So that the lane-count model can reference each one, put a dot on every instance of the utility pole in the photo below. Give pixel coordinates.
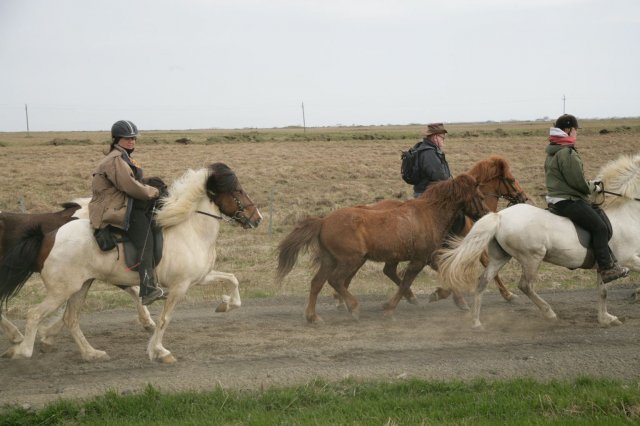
(304, 123)
(26, 111)
(564, 98)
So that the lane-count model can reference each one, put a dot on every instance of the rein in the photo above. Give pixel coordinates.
(210, 215)
(619, 195)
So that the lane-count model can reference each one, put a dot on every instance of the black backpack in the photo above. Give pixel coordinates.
(409, 167)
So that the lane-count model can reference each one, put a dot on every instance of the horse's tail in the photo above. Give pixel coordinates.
(19, 263)
(305, 234)
(458, 261)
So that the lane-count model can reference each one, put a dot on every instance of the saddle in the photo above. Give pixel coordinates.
(584, 237)
(108, 239)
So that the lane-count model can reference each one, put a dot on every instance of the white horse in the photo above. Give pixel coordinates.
(69, 260)
(532, 235)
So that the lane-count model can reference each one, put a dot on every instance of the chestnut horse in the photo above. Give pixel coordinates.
(345, 239)
(496, 182)
(69, 259)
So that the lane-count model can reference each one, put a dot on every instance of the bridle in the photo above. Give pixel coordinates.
(238, 215)
(510, 185)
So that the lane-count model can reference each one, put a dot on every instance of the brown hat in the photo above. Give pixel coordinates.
(435, 129)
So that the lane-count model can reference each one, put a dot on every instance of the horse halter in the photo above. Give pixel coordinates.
(239, 215)
(509, 183)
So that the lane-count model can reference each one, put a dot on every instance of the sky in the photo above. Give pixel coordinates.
(199, 64)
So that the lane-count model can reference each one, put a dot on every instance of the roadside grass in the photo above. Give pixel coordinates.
(400, 402)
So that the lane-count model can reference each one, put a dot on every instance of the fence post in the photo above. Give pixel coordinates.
(270, 210)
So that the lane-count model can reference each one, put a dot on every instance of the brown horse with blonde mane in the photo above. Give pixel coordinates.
(345, 239)
(496, 182)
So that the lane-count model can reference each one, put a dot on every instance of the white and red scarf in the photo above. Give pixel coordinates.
(559, 137)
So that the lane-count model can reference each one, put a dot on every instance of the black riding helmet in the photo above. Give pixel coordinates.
(566, 121)
(124, 129)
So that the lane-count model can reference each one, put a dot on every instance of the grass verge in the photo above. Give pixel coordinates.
(520, 401)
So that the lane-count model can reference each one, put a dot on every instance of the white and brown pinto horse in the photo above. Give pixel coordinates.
(69, 259)
(532, 235)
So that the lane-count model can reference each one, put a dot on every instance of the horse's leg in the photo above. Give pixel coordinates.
(391, 270)
(10, 330)
(339, 301)
(49, 331)
(339, 276)
(231, 284)
(155, 350)
(529, 273)
(317, 282)
(494, 264)
(143, 313)
(442, 293)
(35, 315)
(413, 269)
(604, 317)
(506, 294)
(71, 320)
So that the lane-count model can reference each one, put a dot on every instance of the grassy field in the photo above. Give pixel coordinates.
(291, 173)
(582, 401)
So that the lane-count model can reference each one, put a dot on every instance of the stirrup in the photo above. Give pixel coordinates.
(156, 293)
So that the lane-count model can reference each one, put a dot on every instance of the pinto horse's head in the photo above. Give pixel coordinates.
(224, 190)
(467, 190)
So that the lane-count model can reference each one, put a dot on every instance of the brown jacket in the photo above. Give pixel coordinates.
(114, 188)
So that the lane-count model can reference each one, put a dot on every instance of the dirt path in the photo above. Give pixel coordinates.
(267, 342)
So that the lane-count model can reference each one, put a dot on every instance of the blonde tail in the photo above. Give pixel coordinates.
(458, 264)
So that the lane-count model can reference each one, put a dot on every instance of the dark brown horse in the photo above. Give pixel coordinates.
(347, 238)
(496, 182)
(14, 226)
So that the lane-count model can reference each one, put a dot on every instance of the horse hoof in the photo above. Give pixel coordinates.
(462, 305)
(167, 359)
(96, 356)
(150, 327)
(413, 300)
(355, 315)
(47, 348)
(511, 297)
(223, 307)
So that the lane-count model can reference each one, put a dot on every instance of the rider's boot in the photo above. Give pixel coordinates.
(149, 289)
(613, 273)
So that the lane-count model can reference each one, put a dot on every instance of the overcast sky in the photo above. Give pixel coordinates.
(193, 64)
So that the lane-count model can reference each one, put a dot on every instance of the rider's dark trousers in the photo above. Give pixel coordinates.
(140, 234)
(585, 215)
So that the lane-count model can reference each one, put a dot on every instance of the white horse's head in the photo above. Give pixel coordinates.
(621, 176)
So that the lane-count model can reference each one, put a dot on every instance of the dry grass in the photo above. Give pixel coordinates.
(291, 174)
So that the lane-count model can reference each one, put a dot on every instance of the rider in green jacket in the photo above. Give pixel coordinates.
(568, 194)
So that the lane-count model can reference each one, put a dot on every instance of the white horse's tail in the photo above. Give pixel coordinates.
(458, 265)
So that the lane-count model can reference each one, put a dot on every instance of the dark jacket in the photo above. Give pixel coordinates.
(116, 183)
(433, 166)
(564, 174)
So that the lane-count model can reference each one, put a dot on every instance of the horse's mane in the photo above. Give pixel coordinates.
(184, 196)
(621, 176)
(487, 169)
(447, 193)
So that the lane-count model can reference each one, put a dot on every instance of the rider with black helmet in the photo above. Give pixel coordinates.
(568, 194)
(120, 199)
